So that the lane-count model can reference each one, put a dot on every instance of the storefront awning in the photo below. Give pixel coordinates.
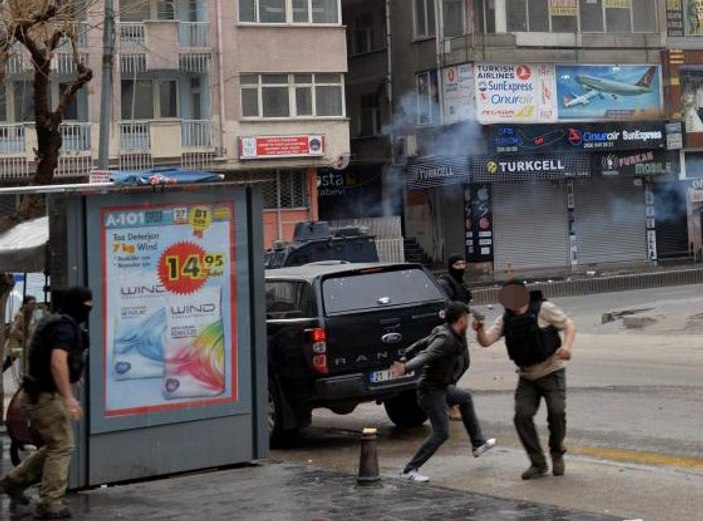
(23, 247)
(431, 171)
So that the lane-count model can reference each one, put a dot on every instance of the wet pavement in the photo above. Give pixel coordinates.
(276, 491)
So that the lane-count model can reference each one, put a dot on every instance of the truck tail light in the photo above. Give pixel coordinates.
(317, 337)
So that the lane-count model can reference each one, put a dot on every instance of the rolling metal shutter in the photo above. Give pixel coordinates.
(672, 220)
(610, 221)
(530, 225)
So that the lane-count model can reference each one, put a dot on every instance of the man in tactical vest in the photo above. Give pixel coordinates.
(436, 357)
(456, 289)
(531, 327)
(56, 357)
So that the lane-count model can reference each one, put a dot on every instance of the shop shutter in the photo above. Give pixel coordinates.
(610, 221)
(530, 225)
(672, 220)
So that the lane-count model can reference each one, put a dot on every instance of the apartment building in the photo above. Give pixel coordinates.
(532, 134)
(250, 88)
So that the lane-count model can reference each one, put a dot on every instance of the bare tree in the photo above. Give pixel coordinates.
(39, 28)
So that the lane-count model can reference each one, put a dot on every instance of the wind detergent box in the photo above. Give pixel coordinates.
(141, 321)
(195, 348)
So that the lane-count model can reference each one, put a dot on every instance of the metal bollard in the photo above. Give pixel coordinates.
(368, 460)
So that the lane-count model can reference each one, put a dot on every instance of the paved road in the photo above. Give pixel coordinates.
(635, 417)
(277, 492)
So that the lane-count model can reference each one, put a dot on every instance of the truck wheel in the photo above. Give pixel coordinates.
(279, 438)
(404, 411)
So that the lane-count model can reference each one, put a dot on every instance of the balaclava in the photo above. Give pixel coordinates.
(457, 275)
(73, 303)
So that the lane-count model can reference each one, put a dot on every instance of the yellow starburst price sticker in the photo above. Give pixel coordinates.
(200, 218)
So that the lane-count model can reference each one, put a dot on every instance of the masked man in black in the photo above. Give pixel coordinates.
(56, 358)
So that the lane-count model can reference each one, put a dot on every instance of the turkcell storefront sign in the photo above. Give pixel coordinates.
(637, 164)
(428, 172)
(523, 168)
(505, 139)
(602, 92)
(515, 93)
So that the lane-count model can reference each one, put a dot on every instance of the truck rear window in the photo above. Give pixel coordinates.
(366, 291)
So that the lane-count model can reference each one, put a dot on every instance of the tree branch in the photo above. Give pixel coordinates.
(85, 74)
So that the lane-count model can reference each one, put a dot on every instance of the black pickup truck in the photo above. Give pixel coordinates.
(333, 330)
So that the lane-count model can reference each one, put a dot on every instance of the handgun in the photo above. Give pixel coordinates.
(477, 315)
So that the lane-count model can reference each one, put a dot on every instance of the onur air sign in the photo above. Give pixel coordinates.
(522, 93)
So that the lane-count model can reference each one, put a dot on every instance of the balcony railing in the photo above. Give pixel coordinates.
(135, 136)
(193, 34)
(197, 134)
(75, 137)
(132, 36)
(12, 139)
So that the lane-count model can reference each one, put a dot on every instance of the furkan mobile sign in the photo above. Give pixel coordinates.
(609, 92)
(169, 307)
(521, 93)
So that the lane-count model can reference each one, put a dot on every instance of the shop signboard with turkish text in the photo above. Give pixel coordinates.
(478, 222)
(608, 92)
(522, 93)
(531, 139)
(169, 312)
(637, 163)
(674, 19)
(459, 99)
(693, 15)
(524, 168)
(272, 147)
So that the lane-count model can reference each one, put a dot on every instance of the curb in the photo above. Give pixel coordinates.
(613, 284)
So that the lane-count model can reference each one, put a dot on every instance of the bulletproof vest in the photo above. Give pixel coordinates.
(527, 343)
(40, 378)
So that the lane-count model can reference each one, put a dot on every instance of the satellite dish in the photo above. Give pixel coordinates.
(341, 161)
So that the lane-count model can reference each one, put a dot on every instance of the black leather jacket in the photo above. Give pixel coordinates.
(437, 356)
(455, 290)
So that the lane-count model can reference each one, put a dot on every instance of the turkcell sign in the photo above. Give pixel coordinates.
(538, 167)
(643, 135)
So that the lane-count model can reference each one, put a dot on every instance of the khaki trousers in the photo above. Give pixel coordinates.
(50, 463)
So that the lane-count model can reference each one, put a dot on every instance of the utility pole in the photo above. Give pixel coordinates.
(106, 93)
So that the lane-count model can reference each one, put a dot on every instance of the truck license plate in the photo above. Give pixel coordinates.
(378, 377)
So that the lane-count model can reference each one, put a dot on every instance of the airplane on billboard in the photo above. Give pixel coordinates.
(595, 86)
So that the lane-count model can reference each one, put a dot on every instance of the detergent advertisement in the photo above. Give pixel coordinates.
(605, 92)
(169, 312)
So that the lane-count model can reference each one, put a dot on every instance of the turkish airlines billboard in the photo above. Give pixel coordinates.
(608, 92)
(523, 93)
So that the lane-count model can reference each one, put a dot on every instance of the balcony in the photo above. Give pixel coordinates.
(12, 139)
(167, 138)
(191, 39)
(76, 138)
(197, 135)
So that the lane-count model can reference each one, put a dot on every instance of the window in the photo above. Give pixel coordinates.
(140, 10)
(564, 16)
(424, 18)
(288, 300)
(453, 18)
(149, 99)
(289, 11)
(370, 117)
(165, 10)
(371, 291)
(292, 95)
(364, 38)
(24, 100)
(427, 98)
(71, 113)
(21, 105)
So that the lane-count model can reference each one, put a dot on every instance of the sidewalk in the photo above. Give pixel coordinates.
(274, 491)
